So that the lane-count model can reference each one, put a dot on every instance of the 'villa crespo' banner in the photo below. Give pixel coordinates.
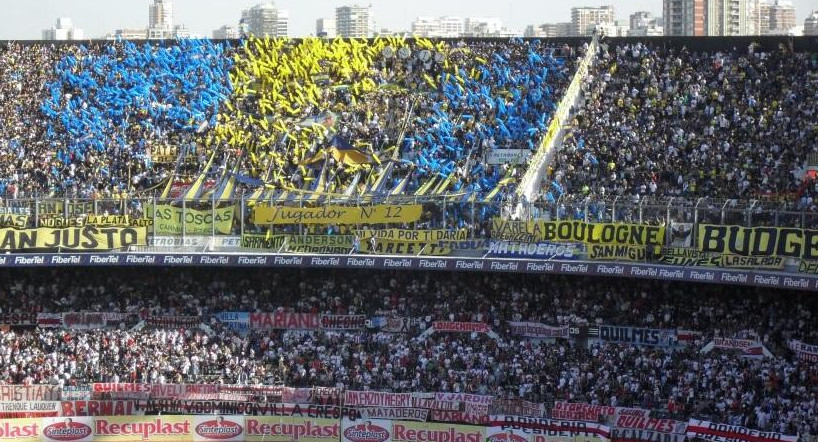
(197, 222)
(578, 231)
(76, 238)
(384, 214)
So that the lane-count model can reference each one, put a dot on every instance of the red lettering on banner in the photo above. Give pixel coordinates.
(97, 408)
(147, 430)
(464, 327)
(285, 320)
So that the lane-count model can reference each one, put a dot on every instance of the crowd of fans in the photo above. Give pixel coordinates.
(667, 121)
(777, 393)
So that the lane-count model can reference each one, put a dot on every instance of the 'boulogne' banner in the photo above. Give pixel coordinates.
(384, 214)
(578, 231)
(197, 222)
(759, 241)
(77, 238)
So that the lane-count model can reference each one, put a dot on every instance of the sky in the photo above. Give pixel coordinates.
(25, 19)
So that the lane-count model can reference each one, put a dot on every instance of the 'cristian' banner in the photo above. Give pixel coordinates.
(732, 433)
(264, 214)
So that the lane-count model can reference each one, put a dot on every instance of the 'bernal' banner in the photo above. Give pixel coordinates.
(732, 433)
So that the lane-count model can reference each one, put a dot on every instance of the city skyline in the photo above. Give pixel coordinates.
(99, 17)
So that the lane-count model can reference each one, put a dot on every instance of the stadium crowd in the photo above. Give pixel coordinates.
(664, 121)
(776, 393)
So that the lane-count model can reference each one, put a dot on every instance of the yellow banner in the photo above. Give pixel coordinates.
(64, 208)
(578, 231)
(379, 246)
(264, 214)
(413, 235)
(609, 252)
(74, 238)
(168, 220)
(291, 429)
(337, 244)
(810, 267)
(759, 241)
(16, 221)
(21, 429)
(695, 258)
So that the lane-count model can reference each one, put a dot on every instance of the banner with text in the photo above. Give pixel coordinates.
(196, 222)
(732, 433)
(264, 214)
(578, 232)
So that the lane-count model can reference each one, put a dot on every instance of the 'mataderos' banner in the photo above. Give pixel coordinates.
(545, 430)
(805, 352)
(535, 330)
(539, 250)
(732, 433)
(264, 214)
(611, 252)
(400, 414)
(634, 335)
(759, 241)
(578, 231)
(197, 222)
(78, 238)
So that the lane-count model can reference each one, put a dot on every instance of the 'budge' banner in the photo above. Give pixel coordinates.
(197, 222)
(759, 241)
(544, 430)
(75, 238)
(732, 433)
(385, 214)
(578, 231)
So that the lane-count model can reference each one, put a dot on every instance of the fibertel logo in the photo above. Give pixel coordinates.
(366, 432)
(218, 429)
(67, 430)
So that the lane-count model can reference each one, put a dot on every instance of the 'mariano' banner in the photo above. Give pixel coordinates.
(759, 241)
(74, 238)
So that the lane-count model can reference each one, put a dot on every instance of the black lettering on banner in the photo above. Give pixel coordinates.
(759, 241)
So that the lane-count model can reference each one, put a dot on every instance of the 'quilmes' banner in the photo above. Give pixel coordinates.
(547, 429)
(805, 352)
(264, 214)
(197, 222)
(634, 335)
(536, 330)
(79, 238)
(732, 433)
(578, 231)
(759, 241)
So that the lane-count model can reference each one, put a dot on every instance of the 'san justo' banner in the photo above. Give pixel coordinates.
(264, 214)
(578, 232)
(74, 239)
(196, 222)
(759, 241)
(697, 429)
(805, 352)
(535, 330)
(503, 428)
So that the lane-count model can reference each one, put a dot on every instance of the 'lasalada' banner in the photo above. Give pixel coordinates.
(732, 433)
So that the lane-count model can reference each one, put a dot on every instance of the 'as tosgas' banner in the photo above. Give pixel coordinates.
(196, 222)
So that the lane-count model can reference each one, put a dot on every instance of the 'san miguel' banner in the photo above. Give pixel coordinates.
(613, 252)
(697, 429)
(538, 250)
(578, 232)
(79, 238)
(759, 241)
(264, 214)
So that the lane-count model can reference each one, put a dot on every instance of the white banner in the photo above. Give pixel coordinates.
(805, 352)
(732, 433)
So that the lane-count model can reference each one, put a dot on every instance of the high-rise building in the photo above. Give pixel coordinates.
(482, 26)
(548, 30)
(811, 24)
(325, 27)
(730, 18)
(63, 30)
(782, 17)
(644, 24)
(128, 34)
(226, 33)
(585, 19)
(444, 27)
(265, 20)
(355, 21)
(685, 17)
(160, 15)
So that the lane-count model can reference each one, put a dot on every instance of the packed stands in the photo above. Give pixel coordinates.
(662, 120)
(163, 341)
